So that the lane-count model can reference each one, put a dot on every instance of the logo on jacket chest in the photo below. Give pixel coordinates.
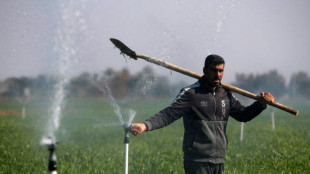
(203, 103)
(223, 104)
(224, 108)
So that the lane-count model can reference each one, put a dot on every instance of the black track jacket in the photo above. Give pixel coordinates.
(205, 114)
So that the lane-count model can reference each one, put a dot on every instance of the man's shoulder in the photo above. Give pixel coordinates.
(230, 94)
(191, 87)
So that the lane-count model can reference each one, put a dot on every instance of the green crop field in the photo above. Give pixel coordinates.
(91, 140)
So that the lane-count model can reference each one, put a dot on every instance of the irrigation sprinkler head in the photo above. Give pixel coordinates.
(124, 49)
(51, 143)
(127, 127)
(48, 141)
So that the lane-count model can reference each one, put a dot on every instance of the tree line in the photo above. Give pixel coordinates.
(146, 83)
(274, 82)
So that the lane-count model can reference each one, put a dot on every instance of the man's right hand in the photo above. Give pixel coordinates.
(137, 128)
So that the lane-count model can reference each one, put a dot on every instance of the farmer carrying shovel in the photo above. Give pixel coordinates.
(205, 107)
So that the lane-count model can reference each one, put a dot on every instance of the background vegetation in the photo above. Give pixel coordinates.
(91, 140)
(148, 84)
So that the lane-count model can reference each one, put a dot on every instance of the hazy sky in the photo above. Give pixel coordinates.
(70, 37)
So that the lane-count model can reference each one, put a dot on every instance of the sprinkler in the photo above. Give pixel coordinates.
(127, 127)
(51, 146)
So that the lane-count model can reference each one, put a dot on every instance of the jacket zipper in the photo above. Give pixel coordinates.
(216, 141)
(214, 105)
(222, 126)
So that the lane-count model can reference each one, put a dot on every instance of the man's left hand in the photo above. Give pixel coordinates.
(266, 98)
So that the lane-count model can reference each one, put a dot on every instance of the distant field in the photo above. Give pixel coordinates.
(91, 140)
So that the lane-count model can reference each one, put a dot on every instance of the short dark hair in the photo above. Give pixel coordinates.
(214, 59)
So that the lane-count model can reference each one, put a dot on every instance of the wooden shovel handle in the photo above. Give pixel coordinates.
(125, 50)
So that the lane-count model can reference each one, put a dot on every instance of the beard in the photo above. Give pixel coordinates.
(214, 82)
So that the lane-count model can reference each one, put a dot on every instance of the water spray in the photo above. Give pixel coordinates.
(127, 127)
(24, 99)
(51, 146)
(272, 120)
(241, 131)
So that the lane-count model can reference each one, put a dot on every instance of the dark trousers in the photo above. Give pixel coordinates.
(192, 167)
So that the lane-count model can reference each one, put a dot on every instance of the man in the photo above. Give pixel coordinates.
(205, 107)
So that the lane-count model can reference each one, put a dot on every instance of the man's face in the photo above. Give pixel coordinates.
(214, 74)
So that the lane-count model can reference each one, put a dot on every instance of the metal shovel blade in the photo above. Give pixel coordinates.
(124, 49)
